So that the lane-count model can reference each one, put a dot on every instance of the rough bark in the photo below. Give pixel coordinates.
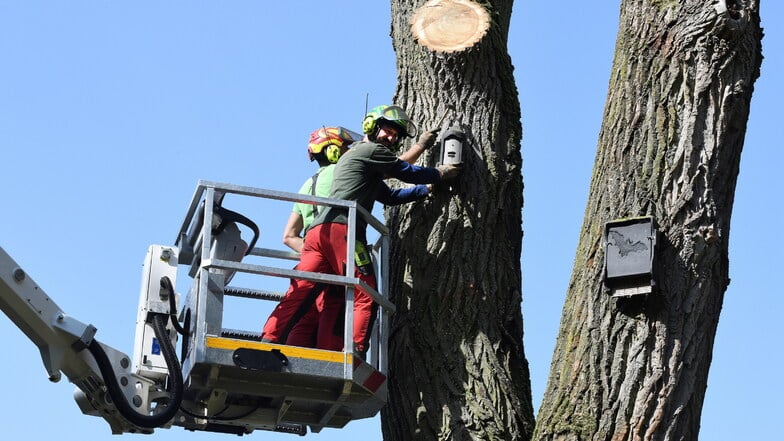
(457, 366)
(670, 146)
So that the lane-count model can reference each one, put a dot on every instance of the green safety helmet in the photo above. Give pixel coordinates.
(394, 114)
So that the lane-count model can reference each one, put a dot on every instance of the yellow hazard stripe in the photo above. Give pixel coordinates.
(288, 351)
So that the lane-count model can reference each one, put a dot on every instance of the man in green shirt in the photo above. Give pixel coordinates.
(359, 176)
(325, 146)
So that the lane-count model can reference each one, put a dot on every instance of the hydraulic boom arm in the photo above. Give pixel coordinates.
(68, 346)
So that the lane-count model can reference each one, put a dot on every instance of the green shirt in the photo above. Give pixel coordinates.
(359, 176)
(323, 183)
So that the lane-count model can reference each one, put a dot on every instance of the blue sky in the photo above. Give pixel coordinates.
(111, 112)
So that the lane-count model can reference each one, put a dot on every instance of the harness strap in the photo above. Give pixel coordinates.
(313, 180)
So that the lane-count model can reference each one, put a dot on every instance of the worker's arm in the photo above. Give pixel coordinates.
(411, 155)
(413, 174)
(423, 143)
(384, 161)
(388, 196)
(291, 234)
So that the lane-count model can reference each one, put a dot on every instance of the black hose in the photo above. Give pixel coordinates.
(167, 285)
(182, 330)
(175, 381)
(118, 397)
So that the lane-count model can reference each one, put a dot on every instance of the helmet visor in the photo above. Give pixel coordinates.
(398, 116)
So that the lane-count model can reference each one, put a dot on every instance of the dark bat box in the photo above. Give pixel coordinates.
(629, 253)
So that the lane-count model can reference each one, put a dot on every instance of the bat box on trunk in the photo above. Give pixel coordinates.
(629, 253)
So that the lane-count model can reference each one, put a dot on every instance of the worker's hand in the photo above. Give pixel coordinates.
(449, 171)
(427, 139)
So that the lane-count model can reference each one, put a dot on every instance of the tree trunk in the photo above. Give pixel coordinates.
(636, 368)
(457, 366)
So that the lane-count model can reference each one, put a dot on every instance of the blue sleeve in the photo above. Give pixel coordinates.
(388, 196)
(413, 174)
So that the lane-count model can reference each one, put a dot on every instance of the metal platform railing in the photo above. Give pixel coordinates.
(205, 353)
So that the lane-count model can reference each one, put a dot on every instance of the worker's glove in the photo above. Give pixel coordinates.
(427, 139)
(449, 171)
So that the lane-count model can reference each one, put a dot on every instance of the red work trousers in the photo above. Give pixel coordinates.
(324, 252)
(322, 325)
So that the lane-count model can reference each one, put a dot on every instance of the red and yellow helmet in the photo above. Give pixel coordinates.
(328, 141)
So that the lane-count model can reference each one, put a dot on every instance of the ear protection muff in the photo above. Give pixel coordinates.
(368, 125)
(332, 153)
